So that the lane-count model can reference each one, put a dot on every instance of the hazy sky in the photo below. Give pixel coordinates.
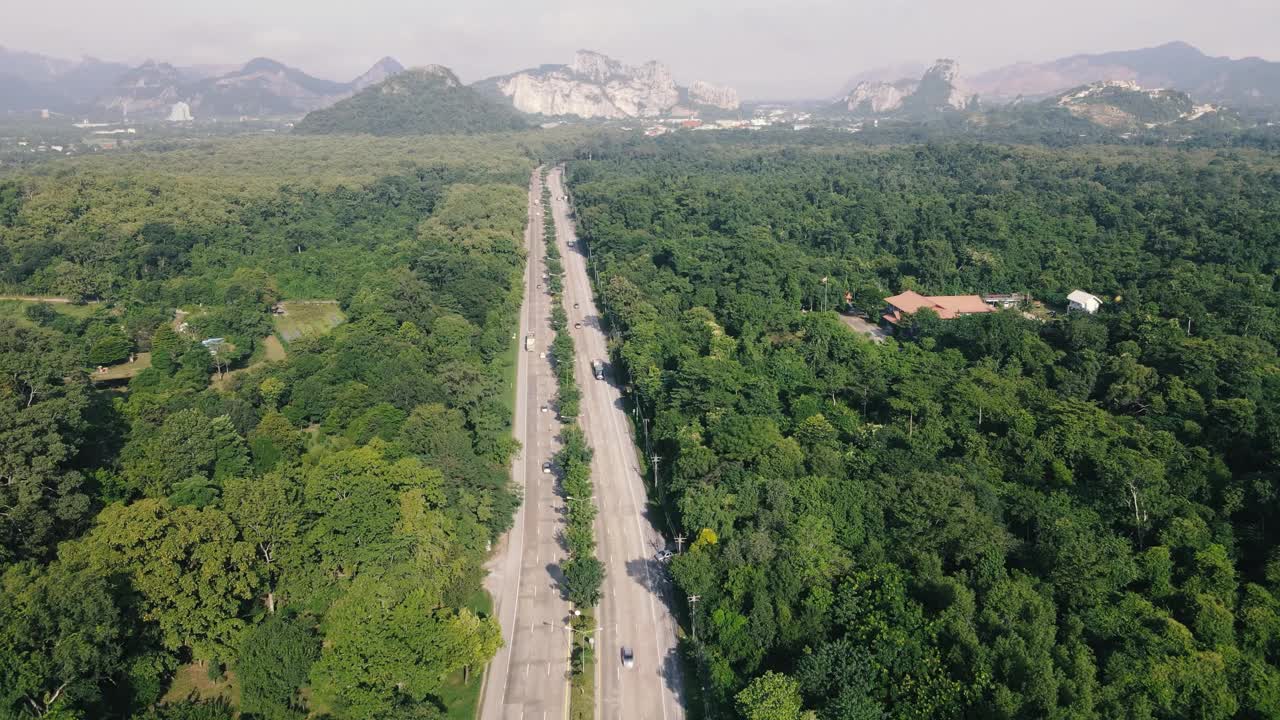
(765, 48)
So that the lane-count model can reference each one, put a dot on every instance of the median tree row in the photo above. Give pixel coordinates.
(583, 571)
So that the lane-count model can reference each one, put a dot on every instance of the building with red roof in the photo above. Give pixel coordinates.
(946, 306)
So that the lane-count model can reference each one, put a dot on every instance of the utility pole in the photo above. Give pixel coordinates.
(587, 636)
(680, 542)
(656, 481)
(693, 614)
(647, 448)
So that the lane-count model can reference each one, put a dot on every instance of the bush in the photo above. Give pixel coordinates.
(275, 658)
(109, 350)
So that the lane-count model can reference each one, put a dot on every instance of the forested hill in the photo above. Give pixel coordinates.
(1070, 516)
(421, 101)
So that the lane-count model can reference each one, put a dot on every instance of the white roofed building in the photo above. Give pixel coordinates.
(1081, 301)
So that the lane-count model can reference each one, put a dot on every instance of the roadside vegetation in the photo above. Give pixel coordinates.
(306, 536)
(992, 516)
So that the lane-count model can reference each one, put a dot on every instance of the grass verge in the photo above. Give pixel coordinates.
(582, 674)
(460, 693)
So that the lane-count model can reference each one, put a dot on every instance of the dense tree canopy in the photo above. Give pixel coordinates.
(993, 516)
(316, 524)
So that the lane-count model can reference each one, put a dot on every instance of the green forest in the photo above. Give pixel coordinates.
(256, 401)
(422, 101)
(1005, 515)
(203, 515)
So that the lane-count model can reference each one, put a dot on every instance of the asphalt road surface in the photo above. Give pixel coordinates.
(634, 610)
(528, 678)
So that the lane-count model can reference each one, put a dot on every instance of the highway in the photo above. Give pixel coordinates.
(528, 678)
(634, 610)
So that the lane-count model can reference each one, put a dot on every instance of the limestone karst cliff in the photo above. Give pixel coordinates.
(940, 88)
(878, 97)
(594, 85)
(719, 96)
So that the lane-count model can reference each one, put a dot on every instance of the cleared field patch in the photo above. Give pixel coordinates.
(141, 362)
(192, 679)
(273, 349)
(303, 318)
(14, 308)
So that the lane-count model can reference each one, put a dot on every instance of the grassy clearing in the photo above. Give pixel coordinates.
(16, 310)
(273, 349)
(461, 691)
(141, 362)
(269, 349)
(192, 679)
(307, 318)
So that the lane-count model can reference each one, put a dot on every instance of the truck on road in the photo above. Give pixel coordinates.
(528, 341)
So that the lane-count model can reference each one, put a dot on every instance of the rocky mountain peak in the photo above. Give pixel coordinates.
(878, 97)
(943, 69)
(939, 88)
(381, 70)
(705, 93)
(263, 65)
(150, 74)
(594, 85)
(434, 72)
(596, 67)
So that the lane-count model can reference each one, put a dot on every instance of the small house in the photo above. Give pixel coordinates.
(1081, 301)
(946, 306)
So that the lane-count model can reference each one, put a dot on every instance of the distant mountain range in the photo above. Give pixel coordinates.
(421, 101)
(591, 86)
(1173, 84)
(1241, 83)
(112, 91)
(594, 85)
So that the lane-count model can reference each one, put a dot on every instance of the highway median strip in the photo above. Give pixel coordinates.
(583, 572)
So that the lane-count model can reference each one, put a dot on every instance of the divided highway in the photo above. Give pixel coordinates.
(634, 610)
(528, 678)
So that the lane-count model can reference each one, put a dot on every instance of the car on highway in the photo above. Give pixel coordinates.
(663, 555)
(575, 306)
(546, 467)
(628, 657)
(577, 324)
(544, 408)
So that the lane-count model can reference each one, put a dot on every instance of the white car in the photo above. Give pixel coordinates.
(546, 467)
(663, 555)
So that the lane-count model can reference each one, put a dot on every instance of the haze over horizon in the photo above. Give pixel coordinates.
(767, 50)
